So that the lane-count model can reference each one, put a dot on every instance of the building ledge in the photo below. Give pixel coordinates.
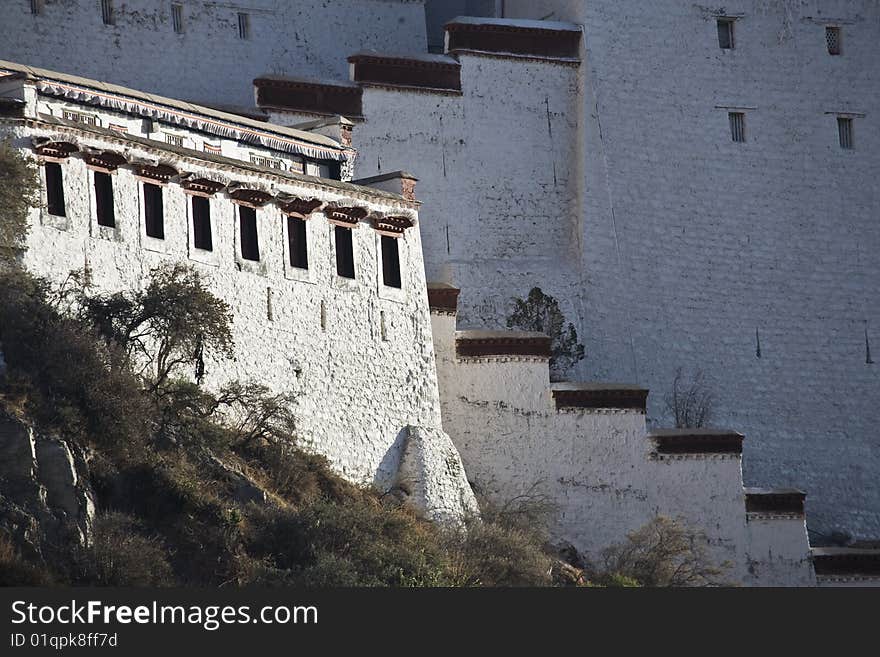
(432, 73)
(786, 502)
(476, 344)
(309, 96)
(599, 396)
(697, 441)
(850, 562)
(443, 298)
(541, 39)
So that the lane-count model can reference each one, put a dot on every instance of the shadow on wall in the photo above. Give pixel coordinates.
(440, 12)
(386, 473)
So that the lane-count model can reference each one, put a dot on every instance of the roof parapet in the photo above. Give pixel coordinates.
(478, 344)
(437, 73)
(545, 40)
(599, 396)
(308, 96)
(697, 441)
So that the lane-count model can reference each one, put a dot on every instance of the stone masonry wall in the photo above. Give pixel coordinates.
(208, 62)
(356, 353)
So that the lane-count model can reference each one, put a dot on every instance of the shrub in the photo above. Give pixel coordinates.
(541, 313)
(14, 571)
(663, 553)
(75, 385)
(170, 324)
(19, 191)
(690, 403)
(121, 555)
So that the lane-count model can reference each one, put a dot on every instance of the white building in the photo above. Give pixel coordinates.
(695, 185)
(325, 279)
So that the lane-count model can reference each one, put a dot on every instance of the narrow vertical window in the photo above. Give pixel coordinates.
(297, 243)
(737, 126)
(154, 214)
(201, 217)
(244, 26)
(104, 209)
(107, 12)
(725, 34)
(391, 261)
(845, 132)
(177, 18)
(833, 40)
(54, 189)
(247, 224)
(344, 252)
(37, 7)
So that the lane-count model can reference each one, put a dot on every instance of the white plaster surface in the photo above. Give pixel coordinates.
(208, 62)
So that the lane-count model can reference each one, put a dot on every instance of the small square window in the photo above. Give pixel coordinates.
(725, 34)
(833, 40)
(107, 12)
(104, 209)
(201, 218)
(244, 26)
(737, 126)
(177, 18)
(845, 132)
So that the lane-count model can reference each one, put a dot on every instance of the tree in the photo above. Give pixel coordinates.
(690, 403)
(663, 553)
(19, 192)
(540, 312)
(171, 323)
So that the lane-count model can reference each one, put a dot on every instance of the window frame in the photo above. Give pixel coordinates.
(390, 259)
(54, 184)
(155, 191)
(244, 26)
(730, 25)
(837, 31)
(737, 121)
(177, 21)
(247, 215)
(846, 133)
(344, 256)
(205, 203)
(101, 201)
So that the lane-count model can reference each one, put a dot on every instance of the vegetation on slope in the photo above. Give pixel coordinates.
(113, 374)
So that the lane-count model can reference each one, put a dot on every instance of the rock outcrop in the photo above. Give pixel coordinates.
(45, 495)
(431, 478)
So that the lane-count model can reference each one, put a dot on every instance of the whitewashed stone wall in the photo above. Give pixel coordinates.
(208, 62)
(357, 353)
(668, 244)
(599, 470)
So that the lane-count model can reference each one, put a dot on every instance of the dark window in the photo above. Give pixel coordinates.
(390, 261)
(845, 132)
(37, 7)
(344, 252)
(832, 40)
(244, 26)
(297, 241)
(107, 12)
(54, 189)
(250, 245)
(177, 18)
(104, 199)
(154, 216)
(738, 126)
(201, 211)
(725, 33)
